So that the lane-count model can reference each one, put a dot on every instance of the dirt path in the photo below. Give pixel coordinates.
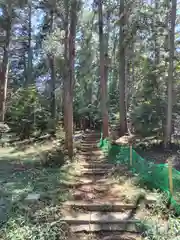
(100, 207)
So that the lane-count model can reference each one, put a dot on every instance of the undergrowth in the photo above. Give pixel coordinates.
(158, 220)
(38, 168)
(161, 223)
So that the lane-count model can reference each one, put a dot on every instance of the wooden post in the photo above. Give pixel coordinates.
(130, 148)
(170, 176)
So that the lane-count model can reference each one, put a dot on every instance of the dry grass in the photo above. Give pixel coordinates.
(126, 186)
(35, 168)
(157, 220)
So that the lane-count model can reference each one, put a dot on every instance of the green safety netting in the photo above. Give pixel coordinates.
(155, 176)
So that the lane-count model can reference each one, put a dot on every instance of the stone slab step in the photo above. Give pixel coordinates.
(106, 227)
(92, 155)
(92, 158)
(89, 137)
(91, 172)
(84, 181)
(94, 171)
(88, 149)
(88, 145)
(77, 183)
(98, 165)
(99, 218)
(92, 133)
(92, 136)
(100, 206)
(121, 236)
(96, 152)
(118, 235)
(88, 169)
(88, 141)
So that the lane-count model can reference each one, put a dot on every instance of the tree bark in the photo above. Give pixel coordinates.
(122, 76)
(170, 73)
(52, 98)
(71, 79)
(66, 71)
(53, 80)
(157, 47)
(107, 46)
(4, 67)
(30, 54)
(103, 83)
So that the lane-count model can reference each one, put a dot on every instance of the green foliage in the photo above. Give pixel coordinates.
(169, 230)
(25, 113)
(156, 229)
(147, 109)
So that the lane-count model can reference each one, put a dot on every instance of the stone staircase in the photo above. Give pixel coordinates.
(96, 212)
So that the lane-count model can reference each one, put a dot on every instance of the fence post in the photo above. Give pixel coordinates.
(130, 148)
(170, 176)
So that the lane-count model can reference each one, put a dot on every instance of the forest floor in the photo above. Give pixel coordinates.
(39, 185)
(33, 181)
(152, 149)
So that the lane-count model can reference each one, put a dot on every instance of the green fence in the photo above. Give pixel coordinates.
(153, 175)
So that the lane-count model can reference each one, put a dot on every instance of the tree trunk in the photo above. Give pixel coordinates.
(4, 67)
(66, 71)
(157, 47)
(114, 73)
(103, 83)
(53, 79)
(122, 76)
(166, 48)
(71, 79)
(30, 54)
(3, 93)
(170, 74)
(52, 100)
(107, 47)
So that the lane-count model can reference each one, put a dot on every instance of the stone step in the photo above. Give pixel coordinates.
(99, 206)
(92, 158)
(91, 172)
(83, 181)
(95, 153)
(77, 183)
(88, 149)
(93, 144)
(98, 169)
(118, 235)
(98, 165)
(94, 171)
(90, 136)
(89, 145)
(122, 237)
(124, 226)
(90, 141)
(99, 218)
(92, 133)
